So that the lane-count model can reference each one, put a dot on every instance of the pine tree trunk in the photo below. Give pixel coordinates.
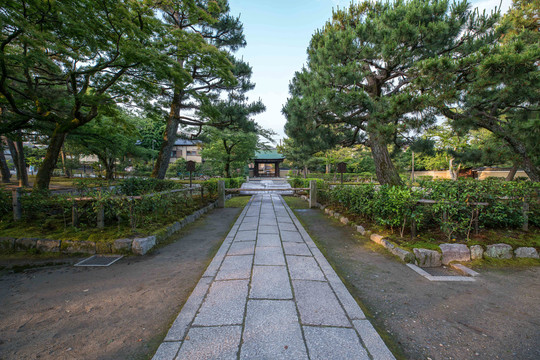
(14, 157)
(45, 172)
(169, 138)
(227, 169)
(21, 163)
(4, 169)
(109, 170)
(67, 173)
(384, 167)
(512, 172)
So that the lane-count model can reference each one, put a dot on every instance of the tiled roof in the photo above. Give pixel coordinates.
(268, 155)
(185, 142)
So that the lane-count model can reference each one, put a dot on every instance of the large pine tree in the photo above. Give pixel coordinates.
(357, 83)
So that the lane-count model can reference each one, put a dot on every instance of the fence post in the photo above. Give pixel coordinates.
(312, 193)
(202, 194)
(101, 217)
(16, 201)
(413, 228)
(132, 214)
(221, 194)
(477, 221)
(74, 215)
(525, 216)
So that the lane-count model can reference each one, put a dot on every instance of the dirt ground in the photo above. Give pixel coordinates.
(496, 317)
(117, 312)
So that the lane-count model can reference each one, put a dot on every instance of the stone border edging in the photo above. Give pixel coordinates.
(137, 246)
(449, 252)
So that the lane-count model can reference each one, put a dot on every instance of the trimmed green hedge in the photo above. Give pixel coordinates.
(455, 211)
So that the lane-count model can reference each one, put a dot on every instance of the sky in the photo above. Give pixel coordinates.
(277, 34)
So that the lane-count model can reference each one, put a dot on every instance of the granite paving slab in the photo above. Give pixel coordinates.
(269, 293)
(272, 328)
(299, 249)
(318, 305)
(270, 282)
(167, 350)
(333, 343)
(242, 248)
(219, 343)
(235, 267)
(304, 268)
(266, 229)
(224, 304)
(268, 240)
(291, 236)
(249, 235)
(269, 256)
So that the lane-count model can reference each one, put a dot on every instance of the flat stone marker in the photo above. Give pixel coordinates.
(269, 293)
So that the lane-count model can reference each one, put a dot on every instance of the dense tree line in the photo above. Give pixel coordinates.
(382, 73)
(79, 73)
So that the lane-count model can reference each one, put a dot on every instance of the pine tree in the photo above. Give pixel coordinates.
(357, 83)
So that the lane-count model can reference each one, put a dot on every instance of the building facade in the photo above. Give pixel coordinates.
(187, 150)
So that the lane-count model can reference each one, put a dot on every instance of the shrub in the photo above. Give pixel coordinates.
(459, 204)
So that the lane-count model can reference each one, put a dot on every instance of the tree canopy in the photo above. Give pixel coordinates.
(360, 84)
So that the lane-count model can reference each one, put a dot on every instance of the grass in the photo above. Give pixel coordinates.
(237, 201)
(54, 227)
(295, 202)
(495, 263)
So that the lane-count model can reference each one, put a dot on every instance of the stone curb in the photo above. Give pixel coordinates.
(449, 254)
(137, 246)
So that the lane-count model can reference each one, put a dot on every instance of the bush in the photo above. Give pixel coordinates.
(458, 204)
(230, 183)
(5, 202)
(137, 186)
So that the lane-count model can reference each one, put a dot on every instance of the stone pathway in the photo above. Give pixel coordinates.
(269, 293)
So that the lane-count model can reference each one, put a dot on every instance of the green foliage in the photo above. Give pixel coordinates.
(5, 202)
(454, 211)
(230, 183)
(137, 186)
(357, 84)
(304, 183)
(228, 150)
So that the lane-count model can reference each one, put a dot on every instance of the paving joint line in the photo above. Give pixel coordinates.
(243, 325)
(293, 291)
(340, 301)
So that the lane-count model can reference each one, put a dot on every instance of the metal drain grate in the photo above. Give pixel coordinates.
(100, 260)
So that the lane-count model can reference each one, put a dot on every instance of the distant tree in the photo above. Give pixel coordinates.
(228, 150)
(111, 138)
(495, 87)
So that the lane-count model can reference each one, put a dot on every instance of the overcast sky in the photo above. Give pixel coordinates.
(278, 33)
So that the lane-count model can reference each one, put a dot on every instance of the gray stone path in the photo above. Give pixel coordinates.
(269, 293)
